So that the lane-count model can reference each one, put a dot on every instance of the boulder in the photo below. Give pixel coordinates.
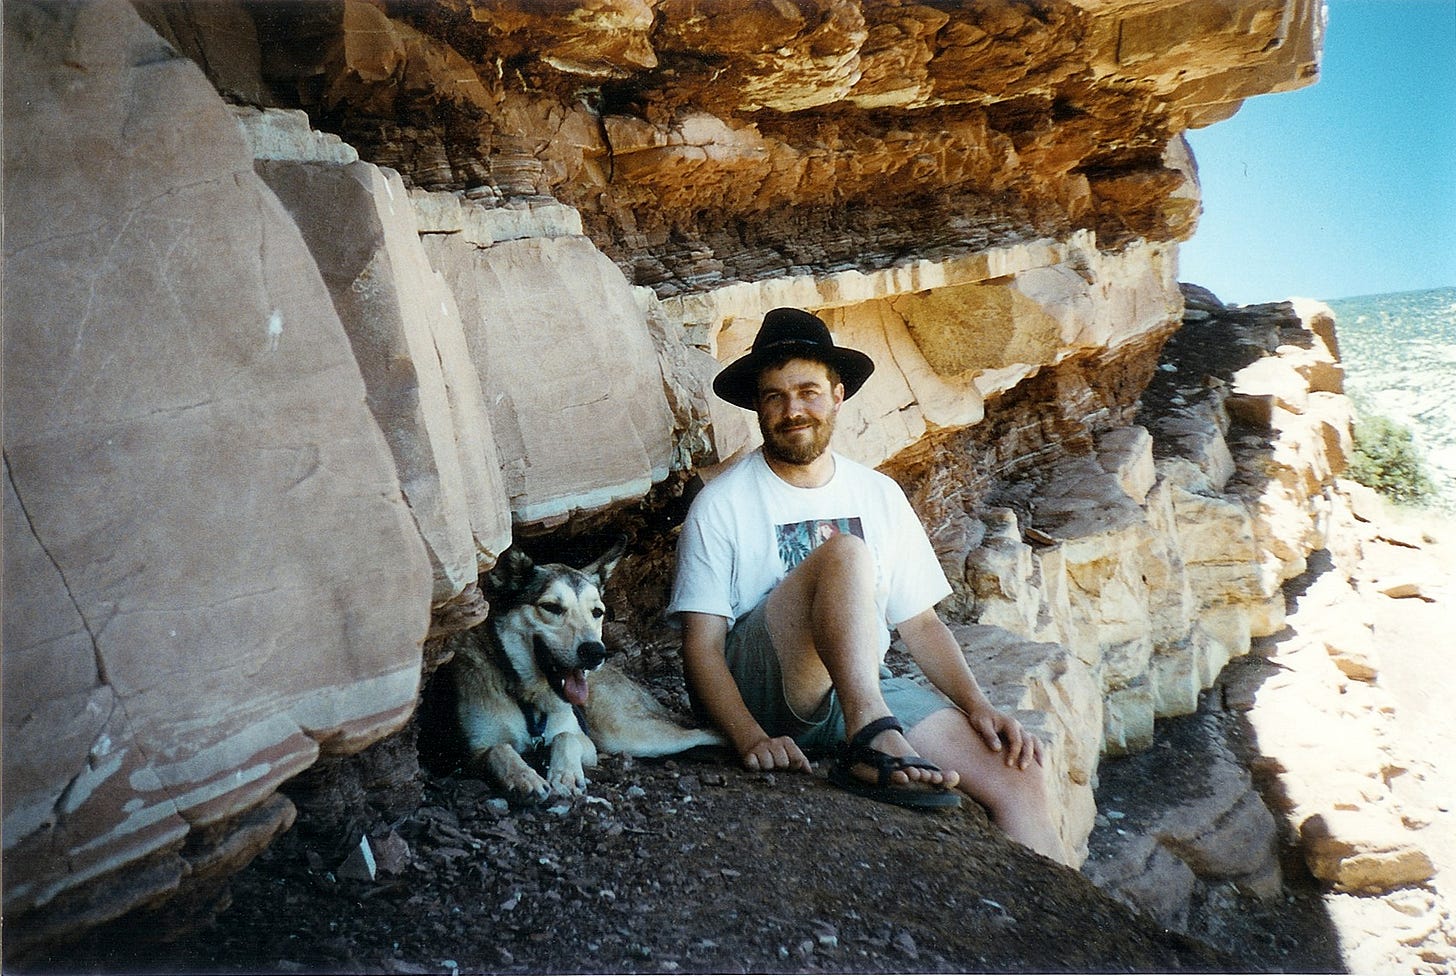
(1180, 821)
(1057, 698)
(577, 398)
(1362, 851)
(407, 338)
(210, 576)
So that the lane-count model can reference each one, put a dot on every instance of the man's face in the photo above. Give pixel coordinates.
(797, 404)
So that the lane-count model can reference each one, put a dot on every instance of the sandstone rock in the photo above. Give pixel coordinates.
(1058, 699)
(286, 134)
(1150, 878)
(210, 574)
(484, 225)
(220, 34)
(1353, 652)
(1362, 851)
(1127, 455)
(1401, 589)
(404, 334)
(576, 396)
(1228, 832)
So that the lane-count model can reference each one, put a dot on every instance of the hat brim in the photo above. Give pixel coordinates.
(738, 381)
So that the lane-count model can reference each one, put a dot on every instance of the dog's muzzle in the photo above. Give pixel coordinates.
(570, 683)
(591, 654)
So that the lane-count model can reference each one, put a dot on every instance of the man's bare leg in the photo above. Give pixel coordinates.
(1016, 798)
(821, 620)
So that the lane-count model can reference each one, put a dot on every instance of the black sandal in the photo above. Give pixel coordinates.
(857, 752)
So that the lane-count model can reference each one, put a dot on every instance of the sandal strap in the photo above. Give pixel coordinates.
(861, 739)
(858, 750)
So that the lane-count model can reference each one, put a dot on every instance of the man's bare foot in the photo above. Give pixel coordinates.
(891, 772)
(893, 743)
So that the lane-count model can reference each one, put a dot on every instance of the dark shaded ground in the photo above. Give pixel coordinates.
(667, 867)
(1291, 932)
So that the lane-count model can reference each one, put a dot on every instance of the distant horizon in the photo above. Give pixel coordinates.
(1347, 186)
(1340, 298)
(1374, 294)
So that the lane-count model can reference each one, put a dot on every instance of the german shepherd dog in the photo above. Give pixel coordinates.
(531, 676)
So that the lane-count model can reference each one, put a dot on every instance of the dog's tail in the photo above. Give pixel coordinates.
(623, 717)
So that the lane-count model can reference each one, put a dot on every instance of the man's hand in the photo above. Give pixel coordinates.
(1005, 735)
(779, 753)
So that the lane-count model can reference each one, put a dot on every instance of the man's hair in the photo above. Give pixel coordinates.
(775, 360)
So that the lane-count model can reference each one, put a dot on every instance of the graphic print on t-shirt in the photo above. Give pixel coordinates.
(799, 539)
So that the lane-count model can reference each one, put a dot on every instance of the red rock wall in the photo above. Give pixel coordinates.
(212, 573)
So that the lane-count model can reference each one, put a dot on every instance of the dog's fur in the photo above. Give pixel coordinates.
(530, 674)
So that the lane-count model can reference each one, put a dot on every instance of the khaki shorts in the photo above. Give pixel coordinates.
(755, 667)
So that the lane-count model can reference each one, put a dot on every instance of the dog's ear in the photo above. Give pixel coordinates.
(511, 573)
(606, 562)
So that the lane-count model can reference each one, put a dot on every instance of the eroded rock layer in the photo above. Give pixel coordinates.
(283, 376)
(738, 140)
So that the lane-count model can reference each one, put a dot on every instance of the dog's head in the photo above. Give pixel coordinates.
(555, 613)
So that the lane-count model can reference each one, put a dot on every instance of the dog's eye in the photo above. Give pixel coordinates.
(598, 612)
(553, 608)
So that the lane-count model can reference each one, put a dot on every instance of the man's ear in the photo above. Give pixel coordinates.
(838, 395)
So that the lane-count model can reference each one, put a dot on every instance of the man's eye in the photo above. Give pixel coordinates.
(553, 608)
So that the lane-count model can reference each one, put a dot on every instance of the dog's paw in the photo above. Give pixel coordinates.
(568, 782)
(527, 786)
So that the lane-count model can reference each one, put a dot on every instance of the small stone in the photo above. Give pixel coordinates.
(1357, 851)
(360, 864)
(1402, 590)
(391, 853)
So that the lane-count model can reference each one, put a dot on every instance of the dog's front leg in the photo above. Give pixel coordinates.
(570, 753)
(512, 772)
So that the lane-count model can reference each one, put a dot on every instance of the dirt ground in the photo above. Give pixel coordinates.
(666, 867)
(694, 865)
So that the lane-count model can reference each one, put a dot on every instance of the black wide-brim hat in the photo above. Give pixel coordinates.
(799, 334)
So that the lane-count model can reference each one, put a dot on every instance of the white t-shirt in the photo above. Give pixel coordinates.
(748, 527)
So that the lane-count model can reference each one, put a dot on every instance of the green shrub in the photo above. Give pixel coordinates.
(1387, 459)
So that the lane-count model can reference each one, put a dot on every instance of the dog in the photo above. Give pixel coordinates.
(532, 676)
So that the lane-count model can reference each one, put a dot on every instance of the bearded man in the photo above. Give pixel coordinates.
(794, 566)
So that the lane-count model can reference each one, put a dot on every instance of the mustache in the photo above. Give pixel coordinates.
(784, 426)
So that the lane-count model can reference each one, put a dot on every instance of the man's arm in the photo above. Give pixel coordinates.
(706, 670)
(939, 655)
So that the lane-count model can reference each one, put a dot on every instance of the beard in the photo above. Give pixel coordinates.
(781, 445)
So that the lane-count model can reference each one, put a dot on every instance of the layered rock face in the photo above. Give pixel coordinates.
(309, 372)
(211, 576)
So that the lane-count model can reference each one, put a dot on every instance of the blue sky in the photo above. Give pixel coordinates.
(1344, 188)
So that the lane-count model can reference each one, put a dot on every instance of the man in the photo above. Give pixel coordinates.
(793, 567)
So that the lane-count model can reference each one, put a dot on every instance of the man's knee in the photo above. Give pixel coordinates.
(844, 553)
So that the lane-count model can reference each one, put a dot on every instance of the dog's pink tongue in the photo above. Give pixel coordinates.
(573, 687)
